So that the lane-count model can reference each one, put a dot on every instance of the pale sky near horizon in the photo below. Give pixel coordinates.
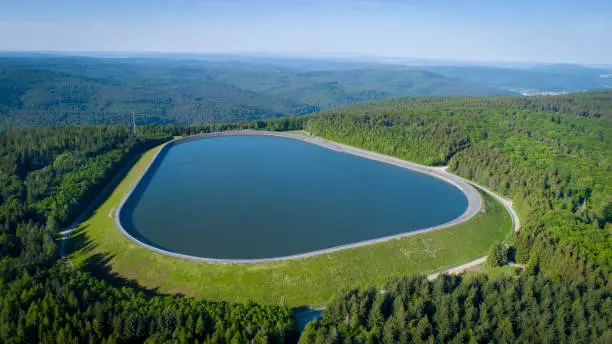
(476, 30)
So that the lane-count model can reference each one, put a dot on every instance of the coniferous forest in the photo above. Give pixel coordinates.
(551, 155)
(49, 175)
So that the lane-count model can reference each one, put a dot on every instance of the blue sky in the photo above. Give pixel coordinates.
(537, 31)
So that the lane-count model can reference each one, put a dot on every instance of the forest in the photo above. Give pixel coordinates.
(44, 91)
(47, 89)
(451, 309)
(551, 155)
(47, 177)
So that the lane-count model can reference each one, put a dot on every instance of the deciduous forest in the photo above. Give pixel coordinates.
(43, 91)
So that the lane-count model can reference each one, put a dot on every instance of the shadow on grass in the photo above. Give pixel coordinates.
(78, 242)
(99, 264)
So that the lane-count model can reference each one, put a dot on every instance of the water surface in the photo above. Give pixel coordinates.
(246, 197)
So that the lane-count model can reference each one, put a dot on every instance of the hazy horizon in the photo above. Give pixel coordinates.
(322, 56)
(474, 31)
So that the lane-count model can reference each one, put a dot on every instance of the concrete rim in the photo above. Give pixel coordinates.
(474, 198)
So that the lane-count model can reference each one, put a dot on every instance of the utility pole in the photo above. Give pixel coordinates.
(134, 122)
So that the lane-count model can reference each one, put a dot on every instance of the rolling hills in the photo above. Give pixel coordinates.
(553, 78)
(42, 91)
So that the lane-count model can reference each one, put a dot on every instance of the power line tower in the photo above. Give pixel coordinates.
(134, 122)
(142, 121)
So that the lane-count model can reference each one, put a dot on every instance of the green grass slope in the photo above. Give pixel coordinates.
(97, 246)
(552, 154)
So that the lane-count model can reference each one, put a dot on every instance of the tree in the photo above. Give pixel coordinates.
(531, 268)
(498, 255)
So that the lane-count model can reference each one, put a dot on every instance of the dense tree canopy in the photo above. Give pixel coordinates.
(42, 91)
(525, 309)
(47, 177)
(64, 307)
(553, 156)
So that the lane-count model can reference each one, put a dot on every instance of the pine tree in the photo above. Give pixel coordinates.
(531, 268)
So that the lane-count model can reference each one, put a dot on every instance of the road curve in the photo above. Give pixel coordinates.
(455, 270)
(516, 225)
(474, 199)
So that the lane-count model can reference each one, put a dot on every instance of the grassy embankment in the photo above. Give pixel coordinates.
(97, 246)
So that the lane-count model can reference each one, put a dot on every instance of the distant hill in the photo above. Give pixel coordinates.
(326, 89)
(557, 78)
(52, 90)
(34, 96)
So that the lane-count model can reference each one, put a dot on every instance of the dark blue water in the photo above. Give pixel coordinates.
(259, 197)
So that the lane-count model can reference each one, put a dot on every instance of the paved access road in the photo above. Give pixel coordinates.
(516, 224)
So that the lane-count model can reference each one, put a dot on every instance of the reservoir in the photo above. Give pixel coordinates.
(253, 197)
